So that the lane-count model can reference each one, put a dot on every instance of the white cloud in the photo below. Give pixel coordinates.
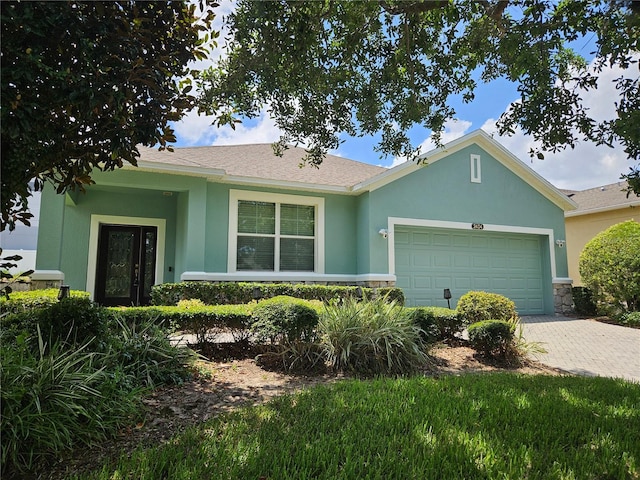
(196, 129)
(264, 131)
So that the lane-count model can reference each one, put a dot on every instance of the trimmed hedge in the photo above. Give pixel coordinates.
(199, 320)
(491, 337)
(477, 306)
(21, 301)
(238, 293)
(72, 321)
(284, 320)
(437, 323)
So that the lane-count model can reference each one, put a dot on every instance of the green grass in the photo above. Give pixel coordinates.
(498, 426)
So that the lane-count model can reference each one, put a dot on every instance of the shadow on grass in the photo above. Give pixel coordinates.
(472, 426)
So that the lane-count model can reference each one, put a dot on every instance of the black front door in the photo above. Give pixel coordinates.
(126, 264)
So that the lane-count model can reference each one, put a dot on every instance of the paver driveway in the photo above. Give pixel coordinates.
(586, 347)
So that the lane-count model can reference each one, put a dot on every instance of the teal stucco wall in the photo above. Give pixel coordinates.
(443, 191)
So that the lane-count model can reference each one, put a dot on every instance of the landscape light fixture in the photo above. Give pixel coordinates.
(447, 296)
(63, 292)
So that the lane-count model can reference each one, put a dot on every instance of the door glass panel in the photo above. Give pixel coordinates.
(119, 262)
(149, 248)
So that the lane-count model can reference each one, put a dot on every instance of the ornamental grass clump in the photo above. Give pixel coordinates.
(371, 337)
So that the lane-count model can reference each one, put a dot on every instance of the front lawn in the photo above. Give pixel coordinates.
(473, 426)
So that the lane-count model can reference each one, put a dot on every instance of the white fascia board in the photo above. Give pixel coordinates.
(284, 277)
(621, 206)
(308, 187)
(179, 169)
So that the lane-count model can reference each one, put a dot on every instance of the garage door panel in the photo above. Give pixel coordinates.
(441, 240)
(442, 260)
(462, 261)
(499, 262)
(420, 239)
(499, 283)
(421, 259)
(435, 259)
(461, 241)
(421, 282)
(402, 238)
(462, 283)
(481, 262)
(442, 282)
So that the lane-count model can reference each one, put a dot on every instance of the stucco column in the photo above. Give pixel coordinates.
(48, 272)
(195, 234)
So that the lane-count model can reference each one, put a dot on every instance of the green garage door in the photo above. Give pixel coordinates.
(428, 260)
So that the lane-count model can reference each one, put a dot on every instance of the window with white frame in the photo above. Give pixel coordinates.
(276, 233)
(476, 171)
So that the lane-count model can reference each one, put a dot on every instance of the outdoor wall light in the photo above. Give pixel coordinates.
(383, 232)
(561, 243)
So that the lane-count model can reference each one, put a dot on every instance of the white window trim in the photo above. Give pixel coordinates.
(248, 195)
(476, 169)
(417, 222)
(97, 220)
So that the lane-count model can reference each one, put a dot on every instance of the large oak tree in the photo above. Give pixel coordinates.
(326, 68)
(83, 83)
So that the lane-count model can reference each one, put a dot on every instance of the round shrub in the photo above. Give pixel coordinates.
(437, 323)
(610, 265)
(491, 337)
(478, 306)
(284, 319)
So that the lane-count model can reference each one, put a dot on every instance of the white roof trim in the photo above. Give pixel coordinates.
(313, 187)
(619, 206)
(178, 169)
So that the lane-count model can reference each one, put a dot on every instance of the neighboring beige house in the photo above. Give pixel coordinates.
(598, 209)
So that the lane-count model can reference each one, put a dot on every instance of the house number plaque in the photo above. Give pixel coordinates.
(477, 226)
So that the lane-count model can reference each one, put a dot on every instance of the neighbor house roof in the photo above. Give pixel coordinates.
(241, 163)
(601, 199)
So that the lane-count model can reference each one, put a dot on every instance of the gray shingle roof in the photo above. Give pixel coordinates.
(605, 197)
(259, 161)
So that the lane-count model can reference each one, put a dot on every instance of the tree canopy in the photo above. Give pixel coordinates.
(83, 83)
(327, 68)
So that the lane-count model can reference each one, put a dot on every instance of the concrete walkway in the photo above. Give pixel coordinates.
(586, 347)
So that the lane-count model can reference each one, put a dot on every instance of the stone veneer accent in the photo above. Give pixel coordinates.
(43, 284)
(562, 298)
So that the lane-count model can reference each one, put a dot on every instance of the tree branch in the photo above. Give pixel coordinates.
(412, 7)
